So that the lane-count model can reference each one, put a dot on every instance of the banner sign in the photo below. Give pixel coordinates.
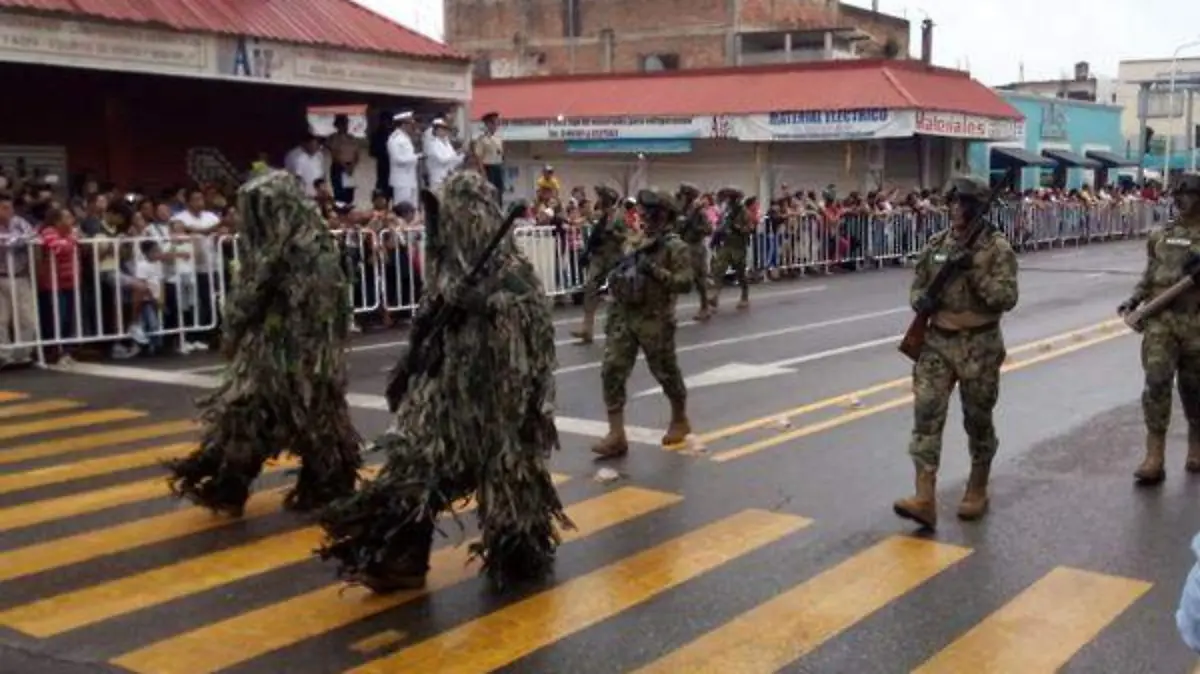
(607, 128)
(630, 146)
(825, 125)
(954, 125)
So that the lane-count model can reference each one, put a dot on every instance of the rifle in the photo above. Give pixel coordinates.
(914, 337)
(423, 342)
(1136, 319)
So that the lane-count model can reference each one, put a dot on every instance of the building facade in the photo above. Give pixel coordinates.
(521, 38)
(1083, 86)
(1080, 142)
(1165, 116)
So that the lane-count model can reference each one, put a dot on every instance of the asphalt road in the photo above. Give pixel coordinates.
(766, 544)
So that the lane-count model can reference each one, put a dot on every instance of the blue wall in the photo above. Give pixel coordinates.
(1057, 123)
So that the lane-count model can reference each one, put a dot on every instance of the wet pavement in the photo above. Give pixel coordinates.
(767, 544)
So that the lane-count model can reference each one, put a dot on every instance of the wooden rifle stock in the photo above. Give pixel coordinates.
(1136, 319)
(914, 336)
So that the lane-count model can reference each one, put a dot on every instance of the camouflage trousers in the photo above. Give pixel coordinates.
(730, 256)
(699, 258)
(629, 330)
(1171, 354)
(971, 360)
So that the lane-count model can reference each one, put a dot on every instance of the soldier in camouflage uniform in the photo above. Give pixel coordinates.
(963, 346)
(1171, 339)
(694, 228)
(600, 253)
(736, 230)
(656, 267)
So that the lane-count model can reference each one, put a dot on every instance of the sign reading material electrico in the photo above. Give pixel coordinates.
(826, 125)
(607, 128)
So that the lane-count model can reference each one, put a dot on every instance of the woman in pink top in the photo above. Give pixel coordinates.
(58, 276)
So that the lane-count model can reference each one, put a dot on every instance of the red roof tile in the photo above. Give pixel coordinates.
(836, 85)
(330, 23)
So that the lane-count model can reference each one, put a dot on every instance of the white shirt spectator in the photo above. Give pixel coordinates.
(309, 168)
(403, 159)
(440, 160)
(205, 248)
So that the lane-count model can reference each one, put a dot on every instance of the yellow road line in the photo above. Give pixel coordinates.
(10, 396)
(40, 512)
(847, 398)
(501, 637)
(843, 419)
(40, 477)
(9, 431)
(774, 634)
(225, 644)
(38, 407)
(72, 610)
(1043, 627)
(79, 443)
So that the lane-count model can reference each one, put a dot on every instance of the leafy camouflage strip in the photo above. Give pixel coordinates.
(286, 320)
(478, 417)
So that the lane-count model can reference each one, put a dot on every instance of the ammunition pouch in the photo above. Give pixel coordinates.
(627, 284)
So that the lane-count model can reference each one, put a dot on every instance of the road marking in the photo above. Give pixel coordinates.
(11, 396)
(10, 431)
(585, 427)
(756, 336)
(97, 603)
(38, 407)
(541, 620)
(241, 638)
(41, 477)
(843, 419)
(378, 642)
(848, 398)
(96, 500)
(771, 636)
(1043, 627)
(57, 446)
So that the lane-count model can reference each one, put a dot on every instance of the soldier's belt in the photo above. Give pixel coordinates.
(963, 332)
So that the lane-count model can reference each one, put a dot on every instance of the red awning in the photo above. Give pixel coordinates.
(329, 23)
(836, 85)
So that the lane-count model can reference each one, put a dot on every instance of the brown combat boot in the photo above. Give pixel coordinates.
(704, 314)
(1193, 455)
(744, 302)
(588, 327)
(679, 428)
(408, 570)
(975, 501)
(921, 507)
(615, 444)
(1151, 472)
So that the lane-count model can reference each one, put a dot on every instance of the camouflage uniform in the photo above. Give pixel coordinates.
(644, 287)
(694, 228)
(964, 346)
(601, 253)
(735, 233)
(1171, 339)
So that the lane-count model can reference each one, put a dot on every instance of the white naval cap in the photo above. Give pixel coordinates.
(405, 116)
(439, 122)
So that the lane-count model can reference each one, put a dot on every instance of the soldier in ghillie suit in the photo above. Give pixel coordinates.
(473, 400)
(655, 268)
(735, 234)
(1171, 338)
(694, 228)
(964, 347)
(599, 255)
(284, 385)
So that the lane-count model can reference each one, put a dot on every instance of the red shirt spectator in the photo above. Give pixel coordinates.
(60, 251)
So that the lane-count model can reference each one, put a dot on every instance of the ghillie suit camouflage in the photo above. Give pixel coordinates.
(473, 400)
(284, 386)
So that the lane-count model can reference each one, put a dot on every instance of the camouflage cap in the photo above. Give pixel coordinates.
(654, 198)
(968, 187)
(1189, 183)
(729, 192)
(689, 189)
(605, 192)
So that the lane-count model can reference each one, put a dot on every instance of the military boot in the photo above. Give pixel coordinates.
(615, 444)
(921, 507)
(1151, 472)
(1193, 455)
(679, 428)
(587, 328)
(744, 302)
(714, 302)
(704, 314)
(975, 501)
(408, 569)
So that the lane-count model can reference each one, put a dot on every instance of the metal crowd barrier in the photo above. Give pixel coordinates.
(165, 294)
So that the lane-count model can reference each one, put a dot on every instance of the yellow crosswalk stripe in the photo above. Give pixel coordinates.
(40, 512)
(10, 396)
(241, 638)
(1043, 627)
(772, 635)
(501, 637)
(72, 610)
(79, 443)
(9, 431)
(38, 407)
(66, 472)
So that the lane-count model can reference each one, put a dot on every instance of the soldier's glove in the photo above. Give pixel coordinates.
(1128, 306)
(925, 305)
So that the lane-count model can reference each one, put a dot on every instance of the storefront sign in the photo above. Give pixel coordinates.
(825, 125)
(954, 125)
(607, 128)
(82, 44)
(629, 146)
